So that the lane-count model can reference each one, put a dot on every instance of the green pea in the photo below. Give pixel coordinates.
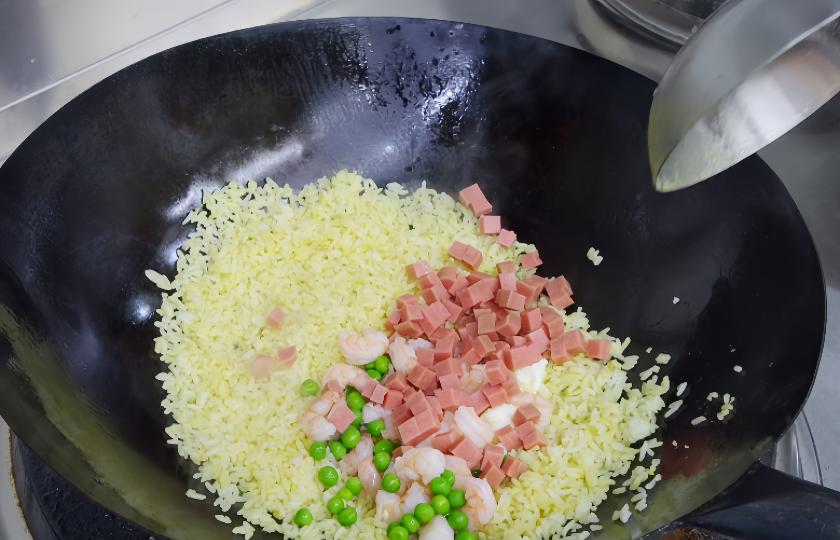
(381, 460)
(348, 516)
(398, 533)
(450, 477)
(384, 446)
(465, 535)
(457, 498)
(382, 364)
(354, 485)
(350, 390)
(375, 375)
(440, 504)
(375, 428)
(371, 365)
(476, 474)
(409, 522)
(335, 504)
(351, 437)
(318, 451)
(440, 486)
(309, 388)
(355, 402)
(328, 476)
(337, 450)
(424, 513)
(303, 517)
(391, 483)
(457, 520)
(345, 493)
(391, 527)
(357, 423)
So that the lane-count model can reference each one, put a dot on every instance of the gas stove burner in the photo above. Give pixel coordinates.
(672, 20)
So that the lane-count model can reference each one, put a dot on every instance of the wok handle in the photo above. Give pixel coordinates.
(766, 504)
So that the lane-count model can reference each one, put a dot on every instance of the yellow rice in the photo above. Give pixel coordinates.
(333, 257)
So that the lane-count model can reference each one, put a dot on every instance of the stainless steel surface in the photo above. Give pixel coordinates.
(12, 524)
(657, 18)
(806, 158)
(714, 107)
(796, 454)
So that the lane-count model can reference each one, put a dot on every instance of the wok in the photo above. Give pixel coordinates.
(557, 139)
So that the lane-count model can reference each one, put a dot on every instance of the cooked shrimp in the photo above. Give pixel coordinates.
(403, 356)
(481, 504)
(388, 507)
(314, 421)
(350, 464)
(417, 463)
(437, 529)
(360, 350)
(391, 430)
(420, 344)
(471, 425)
(457, 465)
(546, 409)
(522, 398)
(371, 411)
(473, 378)
(416, 494)
(369, 477)
(448, 422)
(345, 374)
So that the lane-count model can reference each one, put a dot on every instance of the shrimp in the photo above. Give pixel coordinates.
(481, 504)
(415, 495)
(473, 427)
(388, 507)
(473, 379)
(360, 350)
(457, 465)
(371, 411)
(391, 431)
(546, 409)
(346, 374)
(448, 422)
(417, 463)
(420, 344)
(403, 356)
(520, 399)
(349, 465)
(437, 529)
(369, 477)
(314, 422)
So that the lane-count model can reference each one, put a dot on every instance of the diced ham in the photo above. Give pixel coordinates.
(475, 277)
(513, 467)
(472, 295)
(526, 413)
(445, 441)
(562, 302)
(483, 346)
(509, 439)
(379, 393)
(396, 381)
(447, 276)
(261, 366)
(401, 414)
(525, 428)
(287, 357)
(406, 299)
(411, 312)
(429, 280)
(493, 455)
(516, 341)
(341, 417)
(530, 261)
(449, 380)
(471, 358)
(558, 287)
(495, 394)
(506, 267)
(444, 333)
(464, 449)
(475, 461)
(493, 475)
(496, 372)
(425, 357)
(510, 300)
(464, 399)
(574, 342)
(417, 270)
(472, 329)
(558, 351)
(434, 404)
(409, 432)
(456, 311)
(506, 237)
(511, 387)
(552, 322)
(531, 320)
(520, 357)
(393, 399)
(453, 365)
(598, 348)
(409, 329)
(276, 318)
(501, 347)
(393, 320)
(490, 224)
(479, 402)
(486, 323)
(459, 285)
(472, 258)
(435, 293)
(490, 286)
(469, 195)
(507, 282)
(445, 346)
(534, 439)
(417, 403)
(400, 451)
(421, 377)
(433, 316)
(510, 324)
(449, 399)
(538, 337)
(531, 287)
(368, 385)
(457, 250)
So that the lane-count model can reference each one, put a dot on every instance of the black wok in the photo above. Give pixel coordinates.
(557, 139)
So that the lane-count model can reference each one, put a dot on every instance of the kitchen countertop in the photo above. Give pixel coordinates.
(53, 50)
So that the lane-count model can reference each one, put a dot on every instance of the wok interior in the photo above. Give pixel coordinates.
(555, 137)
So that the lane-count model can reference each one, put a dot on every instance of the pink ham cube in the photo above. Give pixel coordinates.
(483, 346)
(493, 455)
(534, 439)
(429, 280)
(524, 429)
(493, 475)
(393, 320)
(421, 377)
(507, 282)
(464, 449)
(496, 372)
(449, 399)
(509, 439)
(409, 432)
(409, 329)
(435, 293)
(513, 467)
(261, 366)
(479, 402)
(451, 366)
(531, 320)
(276, 318)
(501, 347)
(511, 387)
(379, 393)
(472, 258)
(558, 351)
(405, 300)
(447, 276)
(444, 333)
(558, 287)
(457, 250)
(520, 357)
(506, 237)
(526, 413)
(538, 338)
(287, 357)
(516, 341)
(529, 261)
(486, 323)
(417, 403)
(530, 288)
(456, 311)
(396, 381)
(510, 324)
(458, 285)
(469, 195)
(510, 300)
(495, 394)
(506, 267)
(445, 441)
(411, 312)
(393, 399)
(445, 347)
(471, 358)
(434, 404)
(417, 270)
(574, 342)
(598, 348)
(341, 416)
(552, 322)
(562, 302)
(490, 224)
(425, 357)
(449, 380)
(401, 414)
